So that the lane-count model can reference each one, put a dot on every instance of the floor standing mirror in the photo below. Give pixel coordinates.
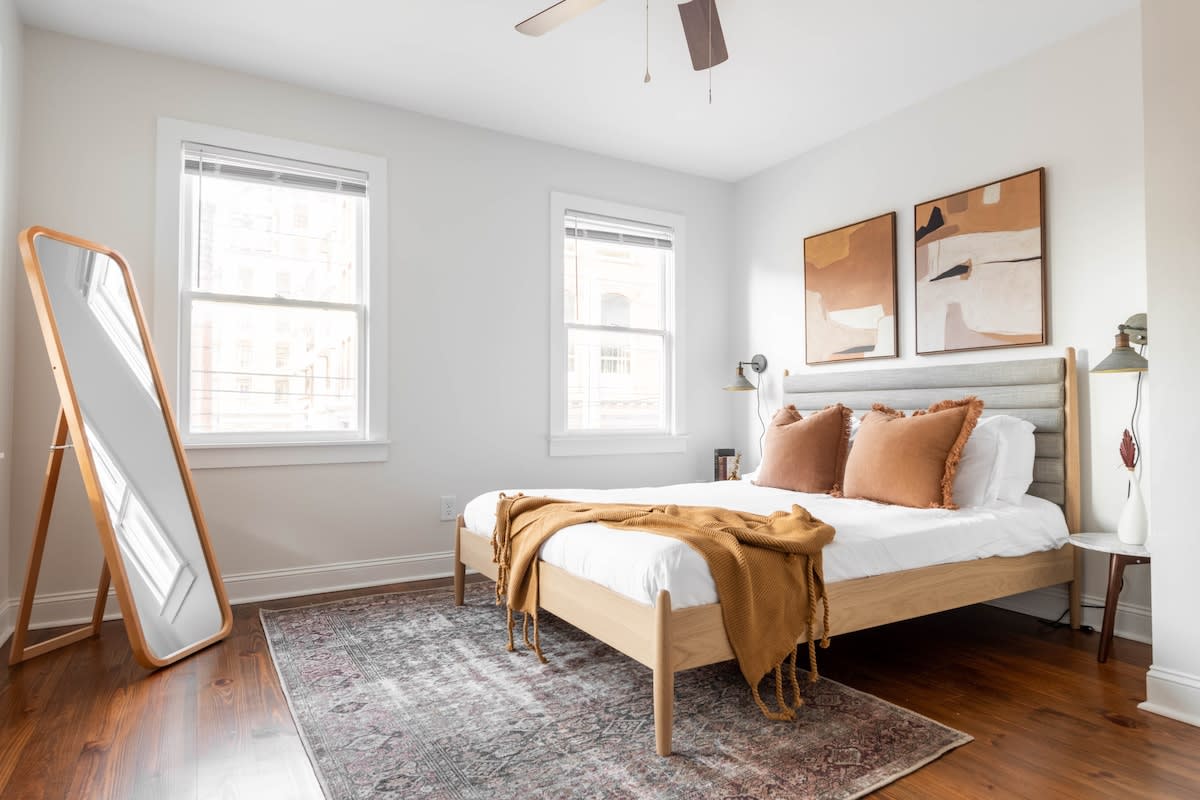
(115, 417)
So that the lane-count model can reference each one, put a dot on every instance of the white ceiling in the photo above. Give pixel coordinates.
(800, 72)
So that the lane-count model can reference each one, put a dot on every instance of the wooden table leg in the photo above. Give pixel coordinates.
(1116, 576)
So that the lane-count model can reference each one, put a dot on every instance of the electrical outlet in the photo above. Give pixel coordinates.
(449, 507)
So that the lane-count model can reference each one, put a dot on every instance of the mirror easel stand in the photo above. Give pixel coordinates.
(19, 651)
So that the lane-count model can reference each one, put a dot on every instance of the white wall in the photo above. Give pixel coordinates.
(469, 314)
(1171, 64)
(1074, 108)
(10, 106)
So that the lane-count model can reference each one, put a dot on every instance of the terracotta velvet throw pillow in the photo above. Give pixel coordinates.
(911, 461)
(806, 455)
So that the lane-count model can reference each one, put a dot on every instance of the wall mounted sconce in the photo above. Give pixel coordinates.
(1124, 358)
(741, 384)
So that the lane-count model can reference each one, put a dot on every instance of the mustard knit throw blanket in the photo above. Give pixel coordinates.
(767, 570)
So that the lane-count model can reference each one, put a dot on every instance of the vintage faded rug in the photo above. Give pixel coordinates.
(407, 696)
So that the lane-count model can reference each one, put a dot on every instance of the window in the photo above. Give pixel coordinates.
(615, 356)
(276, 251)
(283, 354)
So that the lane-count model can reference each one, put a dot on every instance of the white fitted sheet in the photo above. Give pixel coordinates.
(871, 539)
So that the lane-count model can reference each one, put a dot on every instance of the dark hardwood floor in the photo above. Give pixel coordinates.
(1048, 720)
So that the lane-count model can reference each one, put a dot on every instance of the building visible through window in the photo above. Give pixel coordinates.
(614, 312)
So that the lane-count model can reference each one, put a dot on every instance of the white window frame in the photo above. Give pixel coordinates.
(172, 276)
(579, 443)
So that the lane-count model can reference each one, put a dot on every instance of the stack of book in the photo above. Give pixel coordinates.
(725, 464)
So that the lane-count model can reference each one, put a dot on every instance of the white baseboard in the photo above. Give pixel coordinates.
(8, 619)
(1133, 621)
(1173, 694)
(273, 584)
(58, 609)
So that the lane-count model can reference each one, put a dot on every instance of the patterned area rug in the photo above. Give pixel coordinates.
(406, 695)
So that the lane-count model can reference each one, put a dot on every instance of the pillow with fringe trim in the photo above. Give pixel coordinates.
(910, 461)
(806, 454)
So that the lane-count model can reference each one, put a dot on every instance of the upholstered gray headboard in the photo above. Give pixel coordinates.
(1041, 390)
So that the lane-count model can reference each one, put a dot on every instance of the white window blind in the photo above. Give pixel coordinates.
(215, 161)
(596, 228)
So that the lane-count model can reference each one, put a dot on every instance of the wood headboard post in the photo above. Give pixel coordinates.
(1072, 478)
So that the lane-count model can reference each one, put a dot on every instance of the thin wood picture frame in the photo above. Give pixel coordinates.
(71, 421)
(851, 303)
(979, 267)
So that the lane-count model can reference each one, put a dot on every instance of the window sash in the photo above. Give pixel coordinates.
(189, 222)
(360, 432)
(664, 379)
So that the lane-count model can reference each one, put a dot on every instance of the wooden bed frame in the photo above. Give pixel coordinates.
(669, 641)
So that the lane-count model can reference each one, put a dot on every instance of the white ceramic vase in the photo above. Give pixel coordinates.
(1134, 525)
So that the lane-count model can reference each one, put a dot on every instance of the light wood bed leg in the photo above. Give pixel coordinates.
(460, 569)
(1075, 591)
(664, 675)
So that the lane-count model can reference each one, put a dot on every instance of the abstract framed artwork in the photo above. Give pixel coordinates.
(850, 292)
(981, 268)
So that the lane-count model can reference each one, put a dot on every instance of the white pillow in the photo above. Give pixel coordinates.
(1016, 464)
(977, 481)
(748, 476)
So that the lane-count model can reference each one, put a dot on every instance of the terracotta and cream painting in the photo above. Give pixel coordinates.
(980, 268)
(850, 292)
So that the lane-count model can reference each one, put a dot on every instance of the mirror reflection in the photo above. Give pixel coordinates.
(138, 475)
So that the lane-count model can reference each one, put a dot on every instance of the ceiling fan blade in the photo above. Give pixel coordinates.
(694, 16)
(555, 15)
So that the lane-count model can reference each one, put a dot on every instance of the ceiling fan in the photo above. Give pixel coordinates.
(701, 27)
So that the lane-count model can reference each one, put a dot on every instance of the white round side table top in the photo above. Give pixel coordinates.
(1108, 543)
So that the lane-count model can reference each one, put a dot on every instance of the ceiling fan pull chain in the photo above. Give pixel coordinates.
(647, 78)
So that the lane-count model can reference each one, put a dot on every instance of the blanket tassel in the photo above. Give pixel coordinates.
(536, 644)
(787, 711)
(537, 641)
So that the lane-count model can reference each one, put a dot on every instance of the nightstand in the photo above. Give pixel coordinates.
(1120, 555)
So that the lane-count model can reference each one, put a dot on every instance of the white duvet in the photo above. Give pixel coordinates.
(871, 539)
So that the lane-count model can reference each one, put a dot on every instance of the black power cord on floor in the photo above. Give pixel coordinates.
(1055, 624)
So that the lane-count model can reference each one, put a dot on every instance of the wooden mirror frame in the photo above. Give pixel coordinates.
(70, 420)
